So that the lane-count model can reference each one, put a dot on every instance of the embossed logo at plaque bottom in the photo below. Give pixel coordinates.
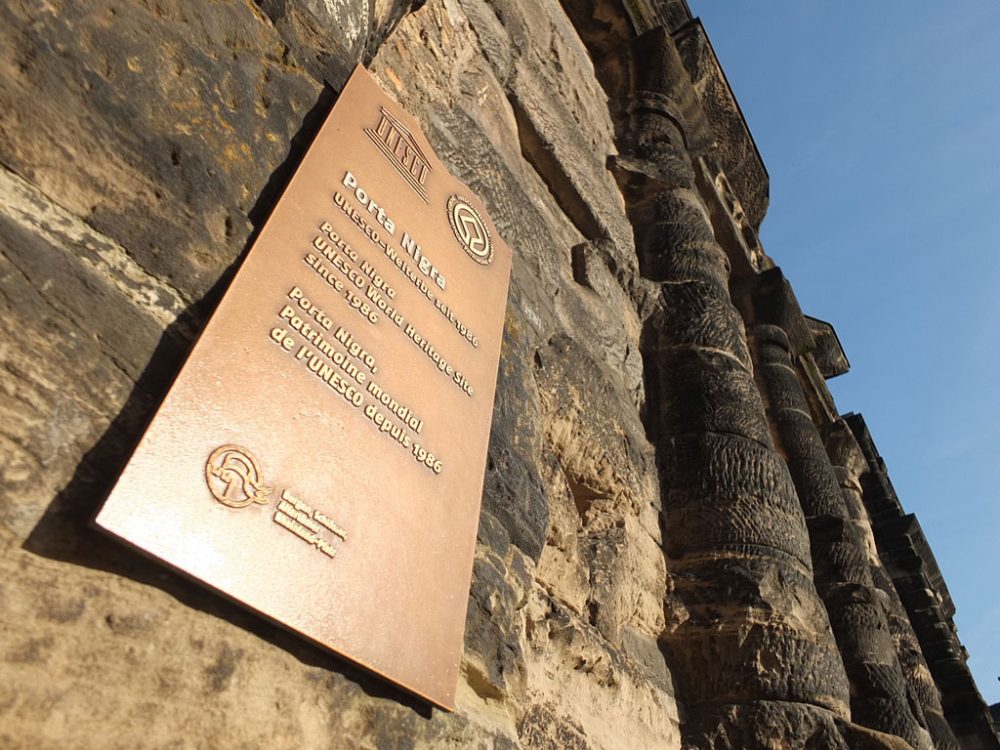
(233, 477)
(234, 480)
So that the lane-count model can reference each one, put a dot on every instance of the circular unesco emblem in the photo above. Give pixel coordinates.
(470, 230)
(234, 479)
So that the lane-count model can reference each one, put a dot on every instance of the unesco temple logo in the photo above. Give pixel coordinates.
(233, 478)
(396, 142)
(470, 230)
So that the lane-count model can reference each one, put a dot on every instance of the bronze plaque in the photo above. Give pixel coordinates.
(320, 457)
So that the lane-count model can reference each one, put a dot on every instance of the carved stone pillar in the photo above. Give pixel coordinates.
(914, 575)
(839, 553)
(849, 463)
(747, 639)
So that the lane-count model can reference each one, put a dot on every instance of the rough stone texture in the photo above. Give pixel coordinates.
(737, 154)
(829, 354)
(878, 688)
(769, 725)
(331, 36)
(849, 463)
(141, 145)
(644, 576)
(911, 571)
(744, 622)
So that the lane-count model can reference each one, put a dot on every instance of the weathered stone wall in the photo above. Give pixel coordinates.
(646, 570)
(141, 145)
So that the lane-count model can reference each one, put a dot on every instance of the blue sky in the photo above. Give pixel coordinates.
(879, 123)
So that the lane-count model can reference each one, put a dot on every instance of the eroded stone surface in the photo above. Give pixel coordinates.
(878, 689)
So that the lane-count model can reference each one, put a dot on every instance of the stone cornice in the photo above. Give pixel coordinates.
(736, 151)
(603, 28)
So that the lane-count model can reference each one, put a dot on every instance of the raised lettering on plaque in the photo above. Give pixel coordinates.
(320, 457)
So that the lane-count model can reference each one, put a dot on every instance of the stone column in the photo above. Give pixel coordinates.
(848, 461)
(839, 553)
(914, 575)
(748, 639)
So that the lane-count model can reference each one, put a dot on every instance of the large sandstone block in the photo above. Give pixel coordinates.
(158, 125)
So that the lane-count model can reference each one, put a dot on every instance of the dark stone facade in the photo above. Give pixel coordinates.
(682, 544)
